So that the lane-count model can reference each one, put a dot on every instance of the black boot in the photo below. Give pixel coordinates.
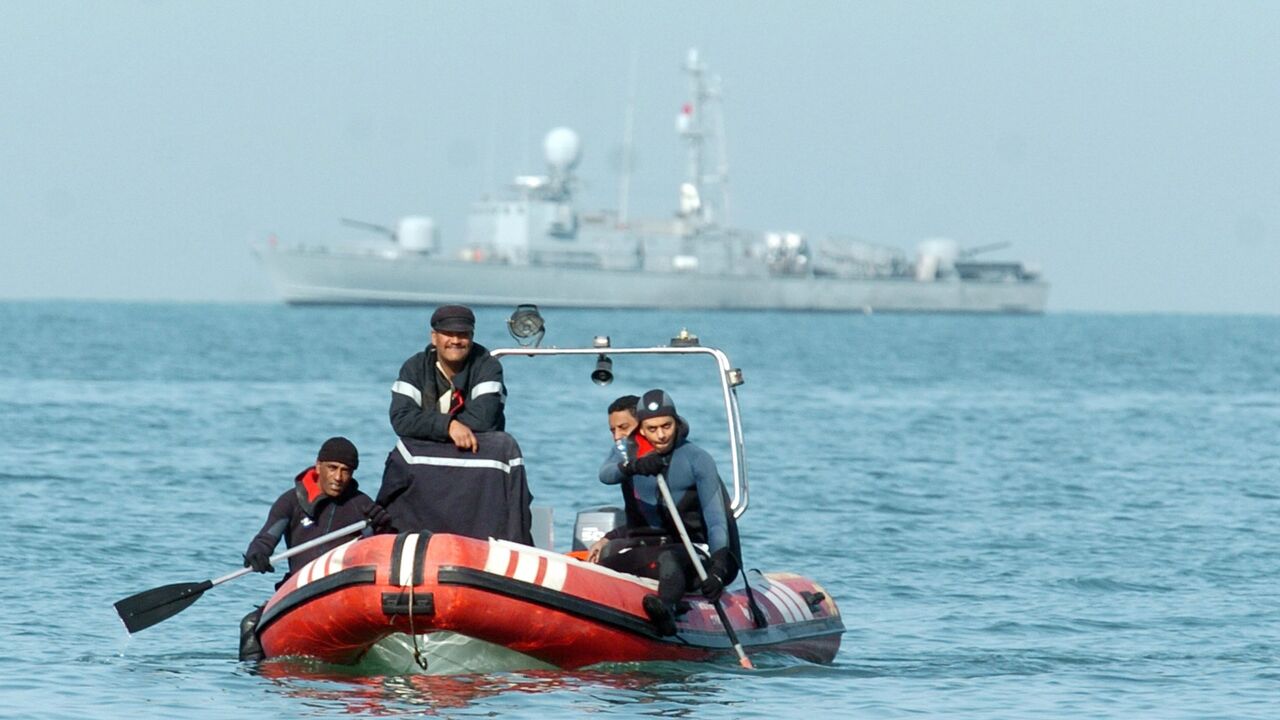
(659, 614)
(250, 650)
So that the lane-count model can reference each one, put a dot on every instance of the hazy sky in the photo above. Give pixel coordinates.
(1130, 149)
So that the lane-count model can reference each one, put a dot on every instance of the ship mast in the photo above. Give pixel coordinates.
(628, 149)
(693, 128)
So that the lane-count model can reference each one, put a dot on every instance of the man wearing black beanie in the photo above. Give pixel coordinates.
(324, 498)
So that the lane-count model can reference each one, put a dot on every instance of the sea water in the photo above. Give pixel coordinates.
(1063, 515)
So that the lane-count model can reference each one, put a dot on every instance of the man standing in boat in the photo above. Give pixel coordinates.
(649, 545)
(451, 390)
(454, 468)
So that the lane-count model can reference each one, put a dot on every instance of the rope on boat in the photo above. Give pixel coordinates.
(418, 657)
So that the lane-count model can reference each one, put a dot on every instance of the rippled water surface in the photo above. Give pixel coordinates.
(1019, 516)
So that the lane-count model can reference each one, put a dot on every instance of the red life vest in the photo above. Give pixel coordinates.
(643, 446)
(311, 483)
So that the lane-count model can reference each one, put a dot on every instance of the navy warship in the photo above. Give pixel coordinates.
(535, 245)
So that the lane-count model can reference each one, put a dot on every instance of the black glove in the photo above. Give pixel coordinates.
(650, 464)
(712, 586)
(379, 518)
(259, 561)
(718, 567)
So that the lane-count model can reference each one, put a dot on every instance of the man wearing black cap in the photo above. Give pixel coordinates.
(323, 498)
(649, 545)
(451, 390)
(453, 469)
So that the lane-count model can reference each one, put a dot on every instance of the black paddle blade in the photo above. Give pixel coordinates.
(149, 607)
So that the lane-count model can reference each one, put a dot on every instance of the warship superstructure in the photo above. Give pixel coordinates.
(536, 245)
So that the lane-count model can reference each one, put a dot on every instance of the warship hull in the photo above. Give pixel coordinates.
(327, 276)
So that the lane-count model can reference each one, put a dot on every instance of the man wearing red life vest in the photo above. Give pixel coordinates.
(650, 545)
(622, 417)
(324, 498)
(622, 425)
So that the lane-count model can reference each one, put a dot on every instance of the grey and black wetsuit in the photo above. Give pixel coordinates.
(650, 545)
(304, 513)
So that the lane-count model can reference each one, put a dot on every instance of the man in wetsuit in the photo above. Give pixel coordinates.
(649, 545)
(324, 498)
(622, 417)
(622, 424)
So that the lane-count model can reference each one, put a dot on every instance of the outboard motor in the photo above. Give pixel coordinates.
(593, 523)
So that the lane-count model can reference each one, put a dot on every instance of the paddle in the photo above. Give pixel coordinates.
(702, 573)
(149, 607)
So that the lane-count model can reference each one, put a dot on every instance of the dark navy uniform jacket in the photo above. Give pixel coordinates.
(478, 396)
(436, 487)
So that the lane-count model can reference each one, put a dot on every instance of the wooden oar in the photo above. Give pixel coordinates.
(702, 573)
(149, 607)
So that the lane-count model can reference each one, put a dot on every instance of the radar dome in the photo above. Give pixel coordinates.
(562, 148)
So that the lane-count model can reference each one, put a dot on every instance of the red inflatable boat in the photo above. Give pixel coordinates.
(548, 606)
